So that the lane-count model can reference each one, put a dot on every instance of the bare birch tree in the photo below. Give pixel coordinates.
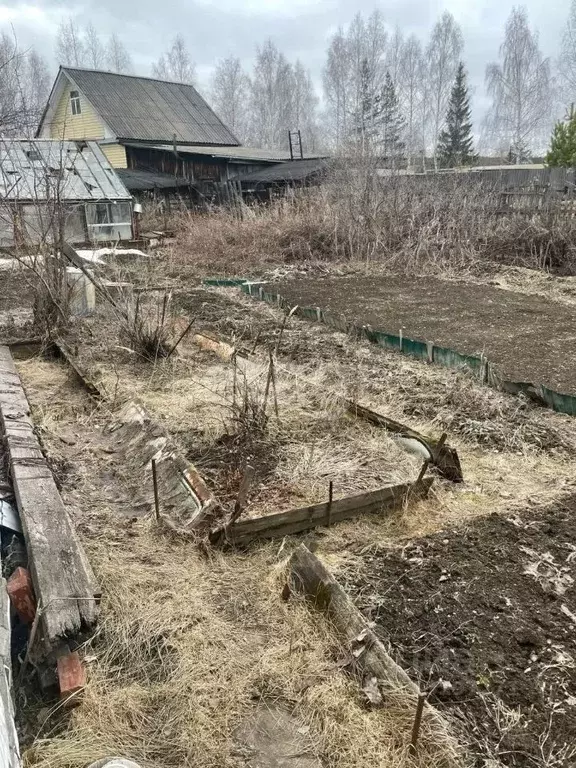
(567, 58)
(24, 88)
(520, 87)
(304, 107)
(394, 54)
(230, 94)
(354, 75)
(176, 64)
(117, 57)
(412, 96)
(336, 79)
(95, 55)
(70, 49)
(271, 98)
(442, 57)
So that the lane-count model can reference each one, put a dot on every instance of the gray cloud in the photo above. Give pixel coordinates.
(301, 28)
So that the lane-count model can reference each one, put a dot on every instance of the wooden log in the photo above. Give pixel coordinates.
(64, 583)
(384, 499)
(311, 578)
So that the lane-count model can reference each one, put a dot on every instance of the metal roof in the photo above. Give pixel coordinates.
(36, 169)
(293, 170)
(139, 180)
(234, 153)
(146, 109)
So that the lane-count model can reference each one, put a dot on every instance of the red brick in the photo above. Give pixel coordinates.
(21, 594)
(71, 676)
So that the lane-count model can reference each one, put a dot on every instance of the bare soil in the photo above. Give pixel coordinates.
(529, 338)
(484, 618)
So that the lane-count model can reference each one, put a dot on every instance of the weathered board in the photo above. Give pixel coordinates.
(310, 577)
(65, 586)
(9, 748)
(383, 500)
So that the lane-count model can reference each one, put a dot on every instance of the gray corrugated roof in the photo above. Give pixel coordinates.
(36, 169)
(293, 170)
(138, 180)
(236, 153)
(145, 109)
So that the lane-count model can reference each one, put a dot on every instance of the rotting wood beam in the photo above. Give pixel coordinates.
(60, 349)
(64, 583)
(382, 500)
(379, 676)
(310, 577)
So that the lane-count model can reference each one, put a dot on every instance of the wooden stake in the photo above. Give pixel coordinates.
(417, 723)
(256, 341)
(422, 472)
(267, 388)
(190, 324)
(155, 483)
(284, 321)
(330, 497)
(234, 380)
(274, 386)
(242, 493)
(439, 445)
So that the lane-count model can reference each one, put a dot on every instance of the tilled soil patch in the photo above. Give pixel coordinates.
(484, 618)
(528, 337)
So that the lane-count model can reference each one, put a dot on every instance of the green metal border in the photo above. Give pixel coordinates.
(449, 358)
(224, 282)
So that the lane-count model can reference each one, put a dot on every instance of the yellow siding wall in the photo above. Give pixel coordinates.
(65, 125)
(116, 155)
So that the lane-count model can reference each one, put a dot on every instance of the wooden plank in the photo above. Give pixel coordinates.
(298, 520)
(443, 456)
(311, 578)
(9, 748)
(61, 349)
(63, 580)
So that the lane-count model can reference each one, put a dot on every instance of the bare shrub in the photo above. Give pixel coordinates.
(436, 223)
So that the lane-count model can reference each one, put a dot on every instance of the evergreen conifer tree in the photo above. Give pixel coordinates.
(455, 145)
(391, 123)
(562, 150)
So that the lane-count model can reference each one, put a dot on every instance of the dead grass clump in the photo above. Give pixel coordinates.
(437, 224)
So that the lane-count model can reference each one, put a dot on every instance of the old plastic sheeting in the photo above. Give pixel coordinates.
(9, 517)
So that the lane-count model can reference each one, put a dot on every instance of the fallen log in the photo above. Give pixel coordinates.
(64, 583)
(383, 500)
(380, 677)
(367, 653)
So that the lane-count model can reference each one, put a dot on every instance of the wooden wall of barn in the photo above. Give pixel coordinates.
(195, 168)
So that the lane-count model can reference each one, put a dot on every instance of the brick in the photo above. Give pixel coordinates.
(21, 594)
(71, 676)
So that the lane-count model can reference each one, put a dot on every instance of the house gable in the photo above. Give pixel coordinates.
(59, 120)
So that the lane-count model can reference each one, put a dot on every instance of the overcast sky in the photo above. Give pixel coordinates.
(214, 29)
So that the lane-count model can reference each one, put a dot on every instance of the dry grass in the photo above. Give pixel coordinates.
(188, 646)
(445, 224)
(296, 453)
